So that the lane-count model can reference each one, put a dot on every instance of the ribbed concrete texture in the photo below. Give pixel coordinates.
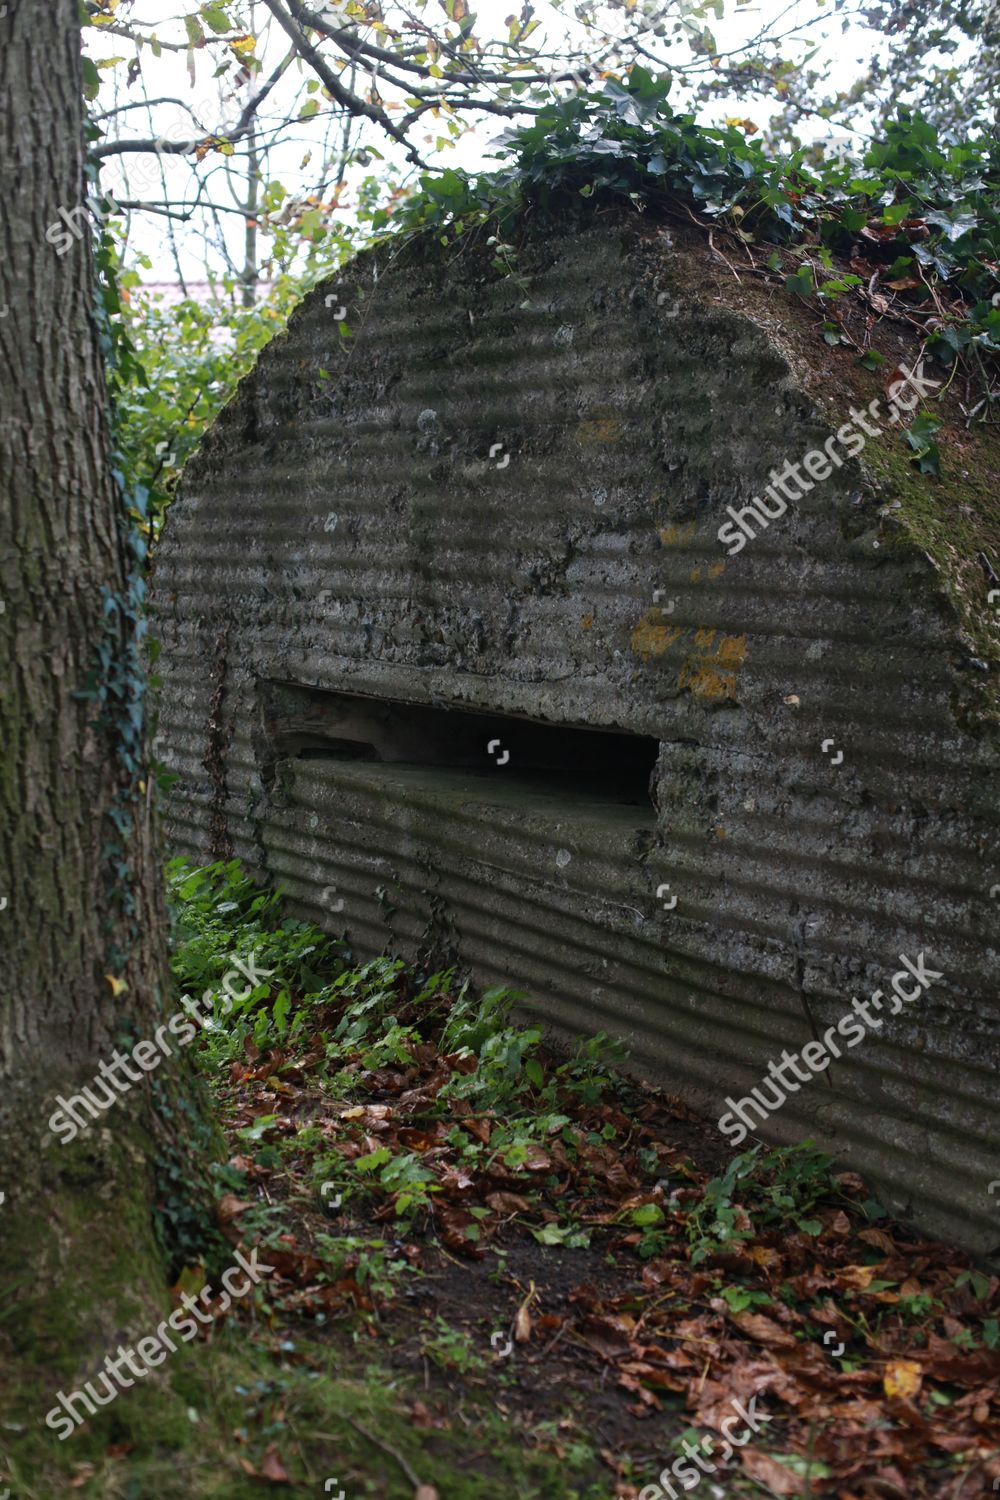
(453, 653)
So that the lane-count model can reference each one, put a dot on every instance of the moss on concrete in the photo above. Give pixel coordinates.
(954, 519)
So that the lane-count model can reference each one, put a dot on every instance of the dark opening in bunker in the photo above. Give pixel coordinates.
(573, 762)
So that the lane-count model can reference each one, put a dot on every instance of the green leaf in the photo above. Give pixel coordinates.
(91, 78)
(896, 212)
(373, 1160)
(562, 1234)
(737, 1298)
(801, 282)
(648, 1213)
(216, 18)
(255, 1131)
(920, 437)
(802, 1465)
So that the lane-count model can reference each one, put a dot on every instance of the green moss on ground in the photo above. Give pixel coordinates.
(77, 1244)
(182, 1436)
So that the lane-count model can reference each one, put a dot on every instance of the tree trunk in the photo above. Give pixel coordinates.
(78, 1257)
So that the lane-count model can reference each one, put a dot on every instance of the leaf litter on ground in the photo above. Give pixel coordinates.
(394, 1135)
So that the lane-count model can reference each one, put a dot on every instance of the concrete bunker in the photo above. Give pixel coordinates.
(454, 653)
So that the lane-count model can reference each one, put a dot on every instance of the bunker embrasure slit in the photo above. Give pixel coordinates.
(581, 765)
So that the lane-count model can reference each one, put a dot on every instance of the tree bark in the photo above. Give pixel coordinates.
(78, 1257)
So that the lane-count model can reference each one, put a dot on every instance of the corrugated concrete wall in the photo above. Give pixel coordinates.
(503, 495)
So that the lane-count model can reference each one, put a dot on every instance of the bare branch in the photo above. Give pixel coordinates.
(355, 47)
(118, 29)
(293, 25)
(181, 148)
(120, 109)
(168, 207)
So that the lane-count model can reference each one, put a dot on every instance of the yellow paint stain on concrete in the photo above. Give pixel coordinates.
(733, 649)
(695, 575)
(714, 674)
(602, 427)
(651, 637)
(676, 536)
(703, 639)
(716, 570)
(587, 623)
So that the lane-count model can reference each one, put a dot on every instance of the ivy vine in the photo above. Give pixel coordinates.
(918, 214)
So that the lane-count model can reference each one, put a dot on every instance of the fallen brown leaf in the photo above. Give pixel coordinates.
(778, 1479)
(272, 1468)
(230, 1207)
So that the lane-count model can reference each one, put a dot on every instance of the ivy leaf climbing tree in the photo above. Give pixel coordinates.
(84, 958)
